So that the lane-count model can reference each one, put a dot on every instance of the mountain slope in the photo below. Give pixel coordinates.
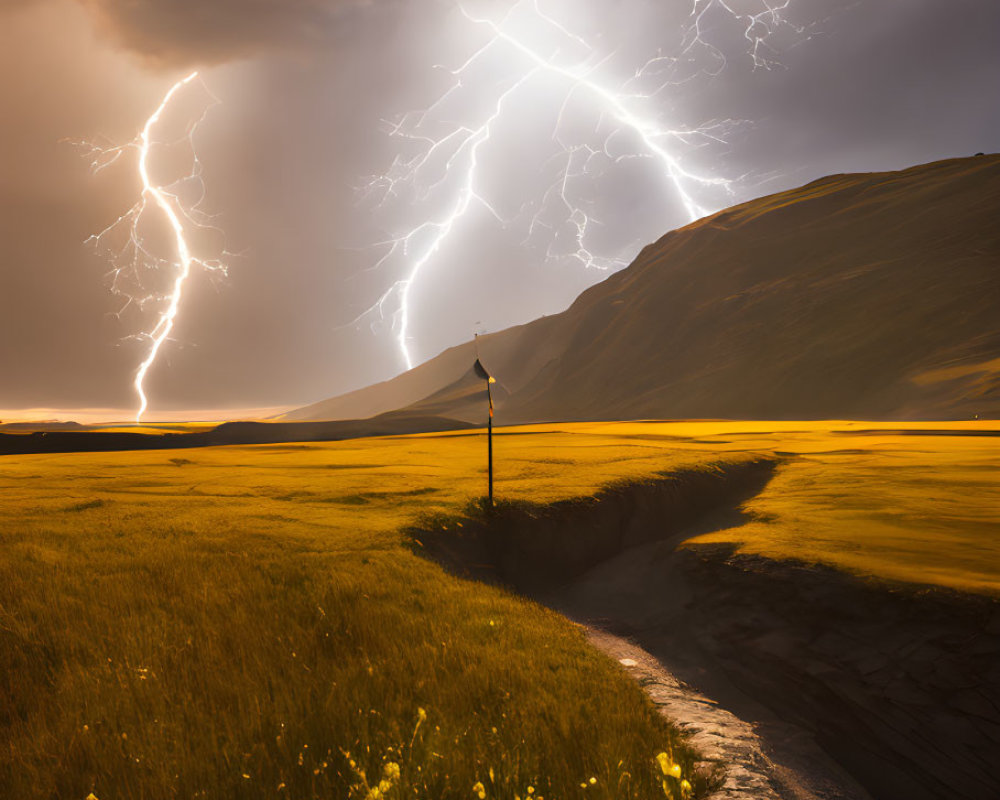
(865, 296)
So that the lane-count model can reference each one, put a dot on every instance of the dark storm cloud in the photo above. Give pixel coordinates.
(204, 32)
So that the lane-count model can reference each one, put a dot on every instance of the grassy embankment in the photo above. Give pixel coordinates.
(227, 621)
(921, 509)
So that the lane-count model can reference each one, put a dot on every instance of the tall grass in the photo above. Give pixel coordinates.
(146, 655)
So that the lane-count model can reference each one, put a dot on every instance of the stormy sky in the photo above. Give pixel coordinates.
(312, 101)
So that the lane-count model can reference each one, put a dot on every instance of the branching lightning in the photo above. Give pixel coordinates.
(530, 57)
(155, 238)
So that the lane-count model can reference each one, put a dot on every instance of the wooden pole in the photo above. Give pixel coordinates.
(489, 439)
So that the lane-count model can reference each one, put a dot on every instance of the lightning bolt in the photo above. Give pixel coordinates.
(139, 258)
(627, 124)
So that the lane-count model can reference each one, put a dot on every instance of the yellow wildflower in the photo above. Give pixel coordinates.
(479, 790)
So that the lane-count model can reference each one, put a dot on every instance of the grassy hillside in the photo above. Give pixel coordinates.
(839, 299)
(869, 296)
(250, 622)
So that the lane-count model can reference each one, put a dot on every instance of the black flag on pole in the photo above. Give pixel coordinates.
(481, 371)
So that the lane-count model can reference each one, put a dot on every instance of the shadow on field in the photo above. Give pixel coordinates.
(898, 684)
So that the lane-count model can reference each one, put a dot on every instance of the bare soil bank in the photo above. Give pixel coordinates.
(534, 548)
(899, 685)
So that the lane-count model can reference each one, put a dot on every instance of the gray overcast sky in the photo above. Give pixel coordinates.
(305, 90)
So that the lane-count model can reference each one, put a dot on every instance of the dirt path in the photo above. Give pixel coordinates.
(764, 760)
(722, 738)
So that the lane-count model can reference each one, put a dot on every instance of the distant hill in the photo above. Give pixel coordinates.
(83, 439)
(856, 296)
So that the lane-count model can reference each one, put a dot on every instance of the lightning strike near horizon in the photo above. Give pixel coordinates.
(596, 114)
(152, 246)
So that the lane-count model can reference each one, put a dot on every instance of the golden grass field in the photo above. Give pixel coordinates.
(251, 622)
(157, 428)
